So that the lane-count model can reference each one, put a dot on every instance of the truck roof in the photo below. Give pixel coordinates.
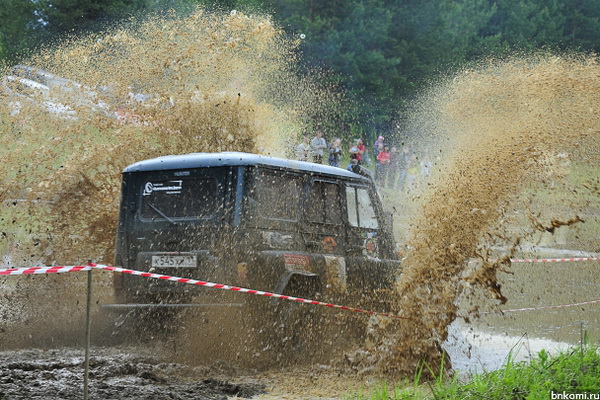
(202, 160)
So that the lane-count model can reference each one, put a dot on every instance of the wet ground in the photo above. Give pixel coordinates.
(137, 373)
(126, 372)
(151, 371)
(521, 113)
(115, 373)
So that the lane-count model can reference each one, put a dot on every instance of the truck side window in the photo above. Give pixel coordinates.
(361, 212)
(276, 196)
(324, 205)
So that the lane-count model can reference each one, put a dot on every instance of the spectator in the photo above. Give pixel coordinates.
(318, 146)
(353, 152)
(353, 166)
(335, 152)
(392, 168)
(378, 146)
(360, 153)
(303, 150)
(383, 161)
(378, 169)
(412, 172)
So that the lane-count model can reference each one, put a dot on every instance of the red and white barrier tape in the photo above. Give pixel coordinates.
(544, 260)
(540, 308)
(77, 268)
(552, 260)
(49, 270)
(241, 290)
(44, 270)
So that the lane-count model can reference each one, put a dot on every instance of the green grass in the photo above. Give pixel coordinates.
(576, 371)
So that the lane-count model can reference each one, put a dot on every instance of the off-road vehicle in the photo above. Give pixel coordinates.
(259, 222)
(253, 221)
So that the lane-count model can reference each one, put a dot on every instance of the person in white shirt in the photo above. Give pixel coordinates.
(303, 150)
(318, 146)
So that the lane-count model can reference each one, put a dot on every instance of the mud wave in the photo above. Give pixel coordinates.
(495, 128)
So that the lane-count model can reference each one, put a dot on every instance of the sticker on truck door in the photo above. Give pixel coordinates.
(329, 244)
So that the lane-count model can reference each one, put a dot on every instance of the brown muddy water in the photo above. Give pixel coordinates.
(498, 132)
(513, 148)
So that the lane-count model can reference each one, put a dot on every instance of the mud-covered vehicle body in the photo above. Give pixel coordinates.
(253, 221)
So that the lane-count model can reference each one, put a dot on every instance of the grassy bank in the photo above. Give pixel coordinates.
(574, 374)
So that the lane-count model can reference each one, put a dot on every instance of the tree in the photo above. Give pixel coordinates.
(581, 24)
(27, 24)
(520, 24)
(66, 16)
(17, 27)
(382, 52)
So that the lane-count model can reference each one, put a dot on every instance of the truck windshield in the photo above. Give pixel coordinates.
(171, 199)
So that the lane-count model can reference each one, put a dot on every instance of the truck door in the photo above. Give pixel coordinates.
(369, 268)
(323, 218)
(324, 235)
(364, 227)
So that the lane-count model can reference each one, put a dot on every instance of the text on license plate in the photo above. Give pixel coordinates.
(174, 261)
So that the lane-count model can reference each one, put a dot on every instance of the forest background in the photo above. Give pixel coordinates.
(383, 53)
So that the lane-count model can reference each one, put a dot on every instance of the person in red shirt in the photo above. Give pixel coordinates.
(383, 163)
(361, 151)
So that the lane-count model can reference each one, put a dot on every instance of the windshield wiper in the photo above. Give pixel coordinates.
(162, 214)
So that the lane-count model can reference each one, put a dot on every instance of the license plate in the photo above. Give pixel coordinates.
(174, 261)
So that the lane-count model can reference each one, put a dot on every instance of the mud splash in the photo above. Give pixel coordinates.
(494, 129)
(213, 82)
(206, 82)
(170, 85)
